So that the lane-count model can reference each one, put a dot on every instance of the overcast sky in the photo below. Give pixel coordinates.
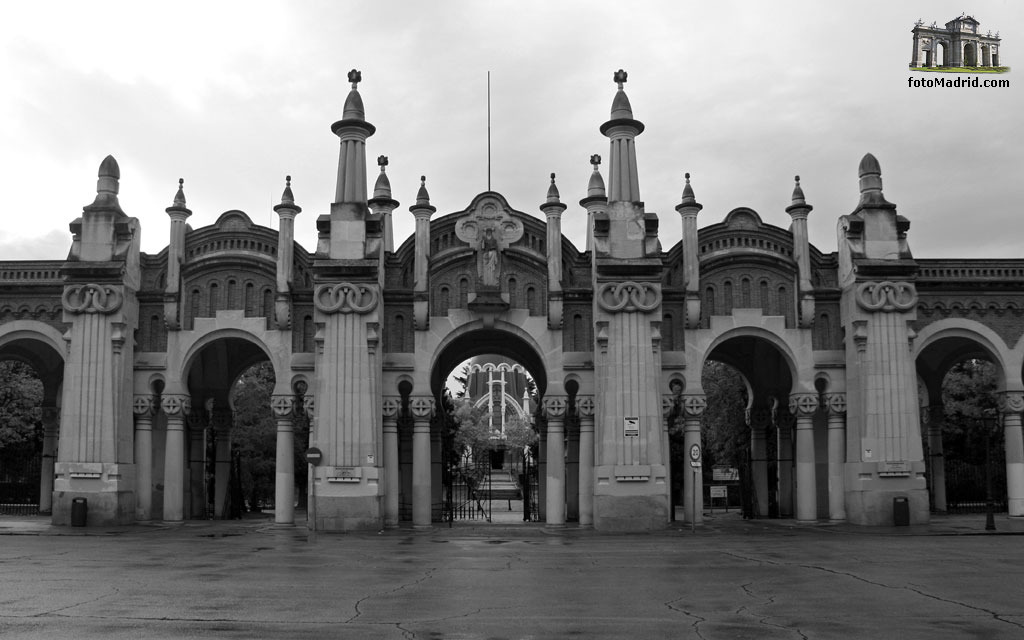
(232, 96)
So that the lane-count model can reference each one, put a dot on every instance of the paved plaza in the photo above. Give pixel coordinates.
(728, 579)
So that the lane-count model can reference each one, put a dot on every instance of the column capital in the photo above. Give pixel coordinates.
(282, 406)
(554, 407)
(142, 405)
(177, 405)
(1010, 401)
(760, 419)
(803, 405)
(835, 404)
(390, 405)
(694, 406)
(309, 405)
(669, 401)
(585, 407)
(422, 407)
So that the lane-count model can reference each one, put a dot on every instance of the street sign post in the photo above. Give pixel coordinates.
(695, 456)
(314, 457)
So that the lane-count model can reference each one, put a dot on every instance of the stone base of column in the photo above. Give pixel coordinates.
(869, 500)
(353, 503)
(630, 513)
(108, 488)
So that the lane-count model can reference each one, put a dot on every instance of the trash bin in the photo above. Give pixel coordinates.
(79, 510)
(901, 512)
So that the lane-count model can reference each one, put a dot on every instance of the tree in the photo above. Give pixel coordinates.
(968, 395)
(726, 434)
(21, 395)
(254, 432)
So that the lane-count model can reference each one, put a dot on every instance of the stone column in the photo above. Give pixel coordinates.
(804, 406)
(284, 465)
(585, 408)
(196, 490)
(286, 212)
(142, 407)
(552, 210)
(422, 408)
(784, 429)
(51, 432)
(436, 476)
(554, 498)
(220, 428)
(835, 404)
(389, 409)
(759, 421)
(693, 486)
(933, 418)
(421, 211)
(688, 209)
(1011, 403)
(175, 407)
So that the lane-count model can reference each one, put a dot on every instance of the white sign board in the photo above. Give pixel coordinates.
(721, 491)
(631, 427)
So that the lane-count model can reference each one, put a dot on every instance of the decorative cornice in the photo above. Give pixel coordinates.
(91, 298)
(614, 297)
(886, 296)
(346, 297)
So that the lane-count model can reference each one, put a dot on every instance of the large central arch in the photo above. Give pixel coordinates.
(475, 339)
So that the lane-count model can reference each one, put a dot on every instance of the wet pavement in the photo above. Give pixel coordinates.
(728, 579)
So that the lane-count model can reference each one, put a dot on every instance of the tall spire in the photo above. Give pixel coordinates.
(595, 188)
(353, 130)
(622, 129)
(383, 204)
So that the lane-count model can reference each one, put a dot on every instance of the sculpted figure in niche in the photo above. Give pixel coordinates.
(490, 260)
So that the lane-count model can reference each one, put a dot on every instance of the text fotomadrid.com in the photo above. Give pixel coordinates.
(959, 81)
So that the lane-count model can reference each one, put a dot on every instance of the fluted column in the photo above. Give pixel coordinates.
(142, 407)
(195, 492)
(693, 486)
(389, 409)
(933, 418)
(422, 408)
(835, 404)
(1011, 403)
(585, 408)
(220, 430)
(436, 476)
(284, 485)
(554, 498)
(759, 421)
(51, 432)
(804, 406)
(175, 407)
(784, 431)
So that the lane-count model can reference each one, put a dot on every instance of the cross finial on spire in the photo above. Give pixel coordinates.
(382, 161)
(620, 77)
(355, 77)
(595, 160)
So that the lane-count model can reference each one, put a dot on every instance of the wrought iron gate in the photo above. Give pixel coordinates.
(19, 484)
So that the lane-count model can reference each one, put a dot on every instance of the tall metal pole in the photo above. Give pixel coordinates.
(488, 130)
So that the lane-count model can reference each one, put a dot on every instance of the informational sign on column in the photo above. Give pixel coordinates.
(631, 427)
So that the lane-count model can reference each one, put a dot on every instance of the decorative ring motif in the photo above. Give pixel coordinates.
(282, 405)
(695, 405)
(142, 405)
(390, 406)
(346, 297)
(628, 296)
(91, 298)
(836, 403)
(886, 296)
(585, 406)
(555, 406)
(309, 405)
(174, 405)
(803, 404)
(422, 407)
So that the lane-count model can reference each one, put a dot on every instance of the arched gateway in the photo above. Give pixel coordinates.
(361, 335)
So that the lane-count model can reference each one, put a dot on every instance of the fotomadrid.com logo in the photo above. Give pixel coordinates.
(959, 46)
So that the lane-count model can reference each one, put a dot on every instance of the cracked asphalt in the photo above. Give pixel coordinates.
(729, 579)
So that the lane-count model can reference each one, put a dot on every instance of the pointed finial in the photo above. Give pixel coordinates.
(382, 188)
(553, 192)
(422, 197)
(287, 197)
(354, 102)
(688, 197)
(355, 77)
(596, 186)
(798, 193)
(179, 198)
(688, 204)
